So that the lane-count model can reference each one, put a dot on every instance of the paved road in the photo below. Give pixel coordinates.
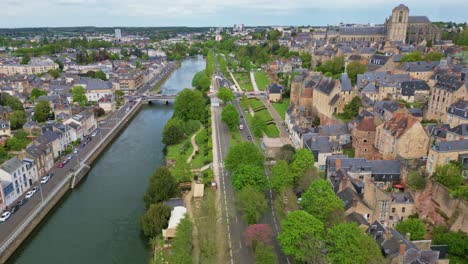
(254, 82)
(164, 72)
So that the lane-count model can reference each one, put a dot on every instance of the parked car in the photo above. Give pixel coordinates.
(45, 179)
(241, 116)
(76, 150)
(249, 137)
(30, 194)
(21, 202)
(60, 165)
(51, 174)
(5, 216)
(14, 209)
(70, 157)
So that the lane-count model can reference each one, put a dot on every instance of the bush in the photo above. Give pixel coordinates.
(414, 226)
(155, 219)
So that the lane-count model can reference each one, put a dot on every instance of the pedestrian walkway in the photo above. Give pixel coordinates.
(254, 82)
(276, 117)
(194, 145)
(236, 84)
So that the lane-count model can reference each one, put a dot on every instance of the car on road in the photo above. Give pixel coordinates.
(21, 202)
(70, 157)
(45, 179)
(241, 116)
(94, 134)
(76, 150)
(5, 216)
(14, 209)
(30, 194)
(61, 164)
(249, 137)
(51, 174)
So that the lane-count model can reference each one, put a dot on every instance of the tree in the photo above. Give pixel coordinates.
(449, 175)
(173, 132)
(17, 119)
(11, 101)
(457, 242)
(303, 159)
(320, 201)
(252, 203)
(351, 109)
(25, 59)
(264, 254)
(306, 60)
(18, 141)
(230, 116)
(190, 105)
(54, 73)
(100, 75)
(225, 94)
(201, 81)
(434, 56)
(249, 175)
(181, 245)
(353, 69)
(345, 240)
(416, 181)
(161, 187)
(412, 56)
(41, 111)
(35, 93)
(257, 233)
(243, 154)
(414, 226)
(281, 176)
(286, 153)
(155, 219)
(79, 95)
(297, 228)
(99, 111)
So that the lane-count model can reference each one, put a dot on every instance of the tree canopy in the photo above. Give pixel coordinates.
(249, 175)
(41, 111)
(320, 201)
(281, 176)
(7, 100)
(230, 116)
(245, 153)
(17, 119)
(181, 245)
(353, 69)
(225, 94)
(414, 226)
(190, 105)
(303, 159)
(79, 95)
(252, 203)
(201, 81)
(161, 187)
(351, 109)
(35, 93)
(449, 175)
(155, 219)
(173, 132)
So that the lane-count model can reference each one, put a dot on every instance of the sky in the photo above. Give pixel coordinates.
(196, 13)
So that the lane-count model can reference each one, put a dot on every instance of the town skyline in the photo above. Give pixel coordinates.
(207, 13)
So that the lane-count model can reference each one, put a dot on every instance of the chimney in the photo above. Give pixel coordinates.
(402, 249)
(408, 236)
(355, 201)
(337, 164)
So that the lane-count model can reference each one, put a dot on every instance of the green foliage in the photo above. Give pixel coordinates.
(457, 242)
(3, 154)
(41, 111)
(230, 116)
(345, 240)
(79, 95)
(258, 125)
(286, 153)
(306, 59)
(249, 175)
(225, 94)
(281, 176)
(351, 109)
(296, 229)
(434, 56)
(161, 187)
(17, 119)
(100, 75)
(11, 101)
(320, 201)
(332, 68)
(18, 141)
(449, 175)
(416, 181)
(35, 93)
(414, 226)
(252, 203)
(245, 153)
(54, 73)
(353, 69)
(25, 59)
(190, 105)
(210, 64)
(173, 132)
(412, 56)
(181, 245)
(303, 159)
(201, 81)
(155, 219)
(264, 254)
(274, 34)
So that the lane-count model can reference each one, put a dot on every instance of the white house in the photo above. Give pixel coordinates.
(14, 179)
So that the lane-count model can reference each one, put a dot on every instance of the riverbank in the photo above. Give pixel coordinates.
(158, 85)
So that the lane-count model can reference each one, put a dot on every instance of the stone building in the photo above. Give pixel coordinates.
(363, 138)
(397, 24)
(444, 152)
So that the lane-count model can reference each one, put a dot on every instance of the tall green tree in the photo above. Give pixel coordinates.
(162, 186)
(155, 219)
(351, 109)
(281, 176)
(252, 203)
(414, 226)
(296, 229)
(249, 175)
(25, 59)
(416, 180)
(7, 100)
(306, 59)
(457, 242)
(346, 240)
(243, 154)
(264, 254)
(41, 111)
(79, 95)
(225, 94)
(100, 75)
(303, 159)
(35, 93)
(353, 69)
(230, 116)
(320, 201)
(17, 119)
(449, 175)
(201, 81)
(173, 132)
(190, 105)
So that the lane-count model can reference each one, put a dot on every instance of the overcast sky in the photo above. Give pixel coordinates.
(39, 13)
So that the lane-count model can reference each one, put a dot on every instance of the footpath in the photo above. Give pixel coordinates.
(254, 82)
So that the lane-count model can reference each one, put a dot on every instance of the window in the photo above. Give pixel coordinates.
(403, 209)
(364, 141)
(384, 204)
(393, 209)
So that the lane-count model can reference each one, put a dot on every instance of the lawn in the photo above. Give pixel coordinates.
(235, 137)
(281, 107)
(243, 78)
(255, 103)
(204, 155)
(272, 131)
(262, 80)
(181, 151)
(264, 114)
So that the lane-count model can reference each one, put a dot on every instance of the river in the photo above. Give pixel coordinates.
(98, 222)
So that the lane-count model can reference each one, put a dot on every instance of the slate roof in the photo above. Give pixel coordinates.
(382, 106)
(448, 146)
(408, 88)
(334, 130)
(357, 218)
(368, 30)
(275, 88)
(419, 66)
(348, 195)
(418, 19)
(378, 59)
(94, 84)
(438, 130)
(326, 85)
(461, 130)
(321, 144)
(334, 99)
(345, 83)
(11, 165)
(459, 109)
(385, 166)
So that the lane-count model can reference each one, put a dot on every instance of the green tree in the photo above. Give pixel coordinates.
(434, 56)
(230, 116)
(243, 154)
(281, 176)
(11, 101)
(17, 119)
(252, 203)
(18, 141)
(457, 242)
(351, 109)
(79, 95)
(264, 254)
(449, 175)
(320, 201)
(181, 245)
(190, 105)
(25, 59)
(345, 240)
(246, 175)
(286, 153)
(225, 94)
(416, 181)
(100, 75)
(155, 219)
(41, 111)
(414, 226)
(54, 73)
(303, 159)
(173, 132)
(201, 81)
(35, 93)
(296, 229)
(353, 69)
(412, 56)
(306, 59)
(161, 187)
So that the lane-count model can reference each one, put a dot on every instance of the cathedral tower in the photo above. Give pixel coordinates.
(397, 25)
